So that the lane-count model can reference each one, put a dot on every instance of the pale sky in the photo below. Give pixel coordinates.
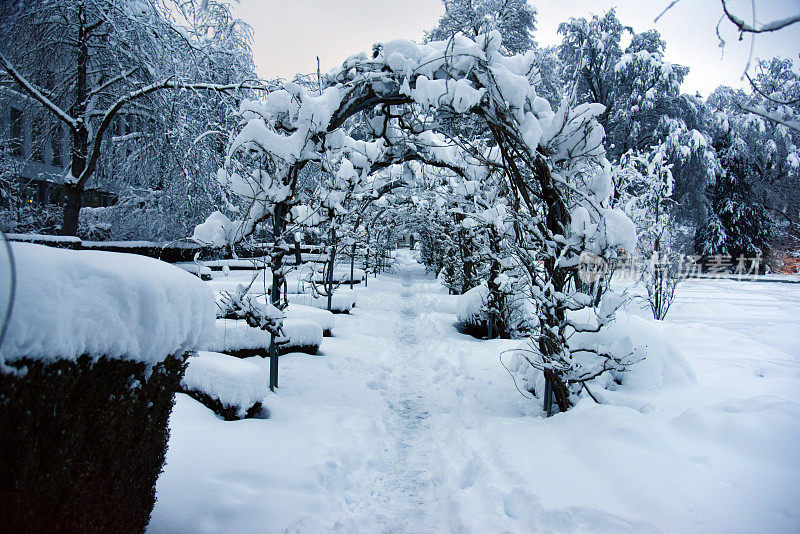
(290, 34)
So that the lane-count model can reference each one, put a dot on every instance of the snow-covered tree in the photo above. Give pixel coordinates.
(514, 19)
(757, 181)
(647, 196)
(591, 47)
(645, 88)
(88, 62)
(636, 85)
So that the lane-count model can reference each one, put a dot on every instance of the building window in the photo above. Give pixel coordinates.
(42, 190)
(15, 133)
(38, 138)
(55, 144)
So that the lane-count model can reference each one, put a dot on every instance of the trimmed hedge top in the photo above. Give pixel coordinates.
(123, 306)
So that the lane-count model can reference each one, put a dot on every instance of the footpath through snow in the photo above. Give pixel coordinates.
(402, 424)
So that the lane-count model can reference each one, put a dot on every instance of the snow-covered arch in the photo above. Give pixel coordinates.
(407, 100)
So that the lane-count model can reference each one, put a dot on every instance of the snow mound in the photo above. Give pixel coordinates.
(658, 362)
(469, 309)
(662, 364)
(123, 306)
(234, 382)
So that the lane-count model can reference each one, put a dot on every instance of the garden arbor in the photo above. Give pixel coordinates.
(420, 103)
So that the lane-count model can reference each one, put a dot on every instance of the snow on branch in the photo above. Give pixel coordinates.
(168, 83)
(773, 26)
(36, 93)
(774, 117)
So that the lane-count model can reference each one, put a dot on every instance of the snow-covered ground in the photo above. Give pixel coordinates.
(402, 424)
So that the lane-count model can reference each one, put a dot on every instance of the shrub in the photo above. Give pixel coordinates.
(84, 442)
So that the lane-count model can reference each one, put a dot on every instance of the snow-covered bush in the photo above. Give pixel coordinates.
(658, 362)
(471, 310)
(93, 356)
(232, 387)
(238, 338)
(647, 186)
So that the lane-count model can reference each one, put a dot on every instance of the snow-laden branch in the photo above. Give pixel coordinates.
(773, 26)
(108, 83)
(774, 117)
(37, 94)
(168, 83)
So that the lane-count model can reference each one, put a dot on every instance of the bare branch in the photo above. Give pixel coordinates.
(111, 112)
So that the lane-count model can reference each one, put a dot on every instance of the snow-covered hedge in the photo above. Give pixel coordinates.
(61, 241)
(323, 318)
(238, 338)
(94, 353)
(121, 306)
(341, 274)
(341, 302)
(232, 387)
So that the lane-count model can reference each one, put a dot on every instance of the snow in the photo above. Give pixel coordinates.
(122, 306)
(404, 424)
(620, 230)
(302, 332)
(457, 94)
(235, 334)
(217, 230)
(233, 381)
(43, 238)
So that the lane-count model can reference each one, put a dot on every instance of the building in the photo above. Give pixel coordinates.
(34, 149)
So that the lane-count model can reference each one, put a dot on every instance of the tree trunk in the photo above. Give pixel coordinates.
(278, 280)
(495, 301)
(72, 210)
(80, 136)
(366, 261)
(352, 264)
(331, 260)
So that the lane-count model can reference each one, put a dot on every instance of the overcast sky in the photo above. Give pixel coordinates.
(290, 34)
